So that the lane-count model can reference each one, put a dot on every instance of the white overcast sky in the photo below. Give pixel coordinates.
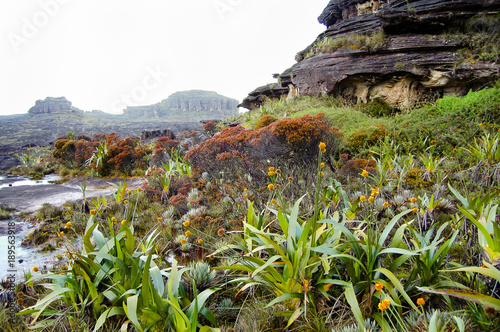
(109, 53)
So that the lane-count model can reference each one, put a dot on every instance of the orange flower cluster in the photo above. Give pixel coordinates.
(384, 305)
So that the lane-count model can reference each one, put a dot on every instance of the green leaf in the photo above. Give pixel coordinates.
(131, 310)
(460, 323)
(285, 297)
(489, 270)
(295, 315)
(479, 298)
(209, 329)
(388, 228)
(113, 311)
(146, 281)
(398, 285)
(42, 304)
(350, 296)
(201, 299)
(158, 283)
(265, 266)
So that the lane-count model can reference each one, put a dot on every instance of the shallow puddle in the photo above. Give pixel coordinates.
(17, 181)
(25, 258)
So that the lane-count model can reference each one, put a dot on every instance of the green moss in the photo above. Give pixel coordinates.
(353, 41)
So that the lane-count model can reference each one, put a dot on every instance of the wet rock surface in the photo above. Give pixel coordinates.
(29, 198)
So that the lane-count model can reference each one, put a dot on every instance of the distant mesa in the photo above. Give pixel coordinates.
(53, 105)
(199, 103)
(193, 105)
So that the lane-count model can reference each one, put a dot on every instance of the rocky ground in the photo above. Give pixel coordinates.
(18, 132)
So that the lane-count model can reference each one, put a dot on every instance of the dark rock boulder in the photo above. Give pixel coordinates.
(153, 134)
(259, 95)
(399, 51)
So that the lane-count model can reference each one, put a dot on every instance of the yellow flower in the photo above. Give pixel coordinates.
(62, 234)
(362, 198)
(321, 173)
(271, 169)
(92, 212)
(273, 201)
(384, 305)
(187, 233)
(35, 268)
(415, 210)
(129, 192)
(375, 192)
(322, 147)
(371, 199)
(160, 219)
(113, 220)
(379, 286)
(123, 222)
(420, 301)
(327, 287)
(68, 224)
(125, 201)
(413, 200)
(183, 241)
(364, 173)
(322, 165)
(270, 187)
(200, 241)
(186, 223)
(271, 173)
(139, 189)
(386, 204)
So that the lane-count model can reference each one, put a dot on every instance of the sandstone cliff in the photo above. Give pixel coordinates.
(193, 104)
(398, 51)
(52, 106)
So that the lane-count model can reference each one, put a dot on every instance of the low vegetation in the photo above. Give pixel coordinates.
(312, 215)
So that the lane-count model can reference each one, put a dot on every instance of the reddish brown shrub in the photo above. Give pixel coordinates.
(354, 167)
(210, 126)
(123, 155)
(166, 143)
(236, 151)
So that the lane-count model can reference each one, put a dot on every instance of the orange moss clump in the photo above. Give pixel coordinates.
(265, 121)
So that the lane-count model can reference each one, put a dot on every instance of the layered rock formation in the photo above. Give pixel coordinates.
(192, 104)
(52, 106)
(398, 51)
